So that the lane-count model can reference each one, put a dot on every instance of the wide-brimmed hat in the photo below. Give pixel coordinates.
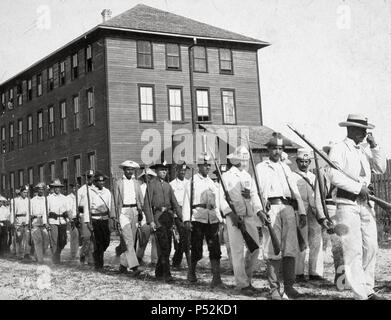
(277, 140)
(204, 158)
(99, 176)
(241, 153)
(40, 185)
(182, 166)
(304, 154)
(56, 183)
(90, 173)
(357, 120)
(150, 172)
(25, 188)
(129, 164)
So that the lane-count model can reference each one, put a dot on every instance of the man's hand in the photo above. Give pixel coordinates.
(371, 141)
(89, 226)
(326, 224)
(265, 218)
(302, 220)
(140, 216)
(235, 219)
(246, 193)
(364, 193)
(188, 226)
(153, 226)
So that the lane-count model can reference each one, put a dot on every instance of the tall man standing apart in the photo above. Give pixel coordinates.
(160, 206)
(280, 190)
(354, 210)
(128, 198)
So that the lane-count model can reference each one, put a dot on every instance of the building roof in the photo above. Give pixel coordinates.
(145, 18)
(258, 135)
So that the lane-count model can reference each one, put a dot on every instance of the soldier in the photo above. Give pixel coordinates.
(100, 207)
(312, 232)
(355, 212)
(20, 221)
(145, 229)
(4, 225)
(179, 185)
(39, 222)
(87, 247)
(74, 222)
(160, 205)
(205, 220)
(280, 191)
(128, 198)
(58, 217)
(242, 190)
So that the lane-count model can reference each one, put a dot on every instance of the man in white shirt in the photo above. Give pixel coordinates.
(57, 218)
(281, 195)
(74, 222)
(355, 213)
(179, 185)
(39, 222)
(4, 225)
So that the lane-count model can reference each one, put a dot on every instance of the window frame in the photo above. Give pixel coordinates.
(11, 99)
(50, 83)
(12, 181)
(30, 89)
(64, 177)
(92, 107)
(30, 138)
(75, 157)
(179, 57)
(21, 171)
(89, 154)
(51, 107)
(42, 165)
(76, 116)
(138, 53)
(89, 61)
(206, 59)
(39, 85)
(222, 90)
(226, 71)
(11, 139)
(180, 88)
(74, 68)
(145, 85)
(53, 162)
(62, 74)
(63, 120)
(20, 134)
(2, 102)
(19, 94)
(40, 130)
(196, 104)
(30, 170)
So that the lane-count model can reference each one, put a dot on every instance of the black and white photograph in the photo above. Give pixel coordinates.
(180, 150)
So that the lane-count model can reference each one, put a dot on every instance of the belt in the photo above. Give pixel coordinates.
(280, 200)
(55, 216)
(129, 205)
(21, 215)
(330, 202)
(99, 214)
(201, 205)
(346, 195)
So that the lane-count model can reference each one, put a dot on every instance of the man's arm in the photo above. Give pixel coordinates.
(174, 202)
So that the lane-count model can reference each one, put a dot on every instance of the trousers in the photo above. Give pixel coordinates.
(145, 237)
(41, 242)
(209, 232)
(59, 240)
(128, 220)
(102, 240)
(163, 241)
(87, 246)
(182, 245)
(21, 241)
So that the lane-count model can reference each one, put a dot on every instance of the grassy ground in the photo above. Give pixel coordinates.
(72, 281)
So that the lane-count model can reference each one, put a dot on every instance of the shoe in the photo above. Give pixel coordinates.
(176, 267)
(300, 278)
(247, 291)
(123, 269)
(82, 259)
(168, 279)
(375, 296)
(275, 295)
(134, 272)
(292, 293)
(316, 278)
(27, 258)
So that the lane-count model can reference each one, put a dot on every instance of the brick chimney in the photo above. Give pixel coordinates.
(106, 14)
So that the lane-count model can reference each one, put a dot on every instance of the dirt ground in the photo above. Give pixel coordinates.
(71, 281)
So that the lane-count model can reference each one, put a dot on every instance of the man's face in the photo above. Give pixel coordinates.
(57, 190)
(100, 184)
(128, 172)
(162, 173)
(40, 192)
(357, 134)
(275, 153)
(23, 194)
(181, 174)
(90, 180)
(303, 165)
(204, 169)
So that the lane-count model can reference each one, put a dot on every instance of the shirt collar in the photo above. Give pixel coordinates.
(124, 178)
(351, 144)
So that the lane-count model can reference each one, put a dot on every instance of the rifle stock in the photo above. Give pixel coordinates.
(47, 227)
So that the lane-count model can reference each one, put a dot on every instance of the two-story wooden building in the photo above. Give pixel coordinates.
(90, 103)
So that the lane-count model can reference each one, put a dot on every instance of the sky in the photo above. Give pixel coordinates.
(327, 58)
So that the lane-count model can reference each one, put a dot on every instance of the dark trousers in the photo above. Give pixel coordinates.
(59, 237)
(163, 244)
(209, 231)
(4, 244)
(102, 240)
(181, 246)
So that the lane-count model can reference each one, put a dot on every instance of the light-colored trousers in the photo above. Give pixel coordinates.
(21, 242)
(336, 245)
(41, 242)
(87, 247)
(312, 234)
(284, 223)
(243, 264)
(128, 221)
(359, 247)
(74, 242)
(224, 235)
(142, 245)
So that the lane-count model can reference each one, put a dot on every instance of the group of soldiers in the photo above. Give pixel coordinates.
(280, 210)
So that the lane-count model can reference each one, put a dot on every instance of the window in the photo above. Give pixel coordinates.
(147, 105)
(75, 67)
(19, 94)
(228, 100)
(41, 173)
(225, 56)
(175, 104)
(21, 178)
(50, 79)
(12, 182)
(10, 103)
(2, 102)
(91, 106)
(29, 129)
(64, 170)
(30, 175)
(52, 170)
(39, 84)
(173, 56)
(202, 100)
(200, 61)
(62, 73)
(63, 117)
(89, 58)
(77, 166)
(11, 137)
(30, 90)
(3, 142)
(76, 113)
(144, 54)
(51, 121)
(40, 125)
(20, 133)
(92, 161)
(3, 183)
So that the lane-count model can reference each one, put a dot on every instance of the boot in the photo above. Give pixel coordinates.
(216, 280)
(288, 272)
(272, 272)
(191, 273)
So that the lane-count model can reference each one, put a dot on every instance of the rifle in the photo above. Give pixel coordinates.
(250, 242)
(188, 247)
(273, 236)
(321, 191)
(380, 202)
(30, 225)
(47, 225)
(15, 234)
(89, 214)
